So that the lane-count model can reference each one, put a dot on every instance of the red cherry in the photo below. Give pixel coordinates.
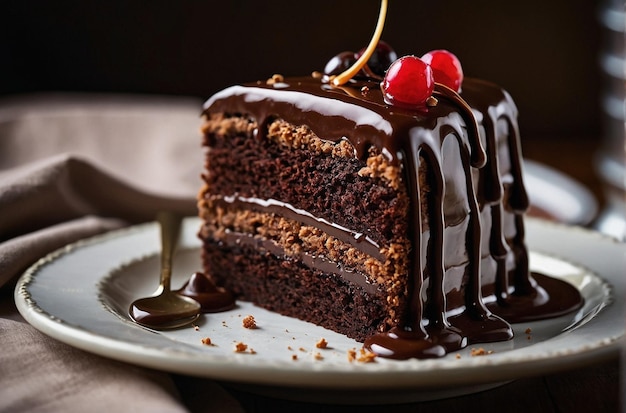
(408, 82)
(446, 68)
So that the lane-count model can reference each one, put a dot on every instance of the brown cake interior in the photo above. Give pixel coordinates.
(266, 260)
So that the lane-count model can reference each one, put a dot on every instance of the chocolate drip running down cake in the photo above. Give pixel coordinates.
(400, 228)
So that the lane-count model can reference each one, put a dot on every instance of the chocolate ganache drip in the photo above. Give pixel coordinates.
(415, 140)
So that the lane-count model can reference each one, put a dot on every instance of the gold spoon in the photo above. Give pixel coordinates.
(166, 309)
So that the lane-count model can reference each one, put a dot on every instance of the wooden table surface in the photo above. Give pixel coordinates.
(594, 388)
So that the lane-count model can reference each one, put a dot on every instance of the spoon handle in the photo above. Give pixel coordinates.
(170, 231)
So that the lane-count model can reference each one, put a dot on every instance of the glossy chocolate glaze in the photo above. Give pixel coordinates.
(357, 113)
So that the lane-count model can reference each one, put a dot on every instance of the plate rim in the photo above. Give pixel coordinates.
(491, 369)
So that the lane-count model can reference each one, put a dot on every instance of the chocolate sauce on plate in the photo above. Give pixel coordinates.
(212, 299)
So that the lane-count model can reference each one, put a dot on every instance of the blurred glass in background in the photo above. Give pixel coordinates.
(610, 162)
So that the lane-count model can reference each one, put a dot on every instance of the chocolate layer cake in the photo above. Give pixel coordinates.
(399, 228)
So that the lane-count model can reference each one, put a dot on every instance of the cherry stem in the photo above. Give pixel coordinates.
(358, 65)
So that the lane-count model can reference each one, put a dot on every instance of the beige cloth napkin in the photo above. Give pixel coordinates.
(72, 166)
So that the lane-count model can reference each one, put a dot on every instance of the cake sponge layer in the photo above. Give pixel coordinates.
(291, 288)
(292, 165)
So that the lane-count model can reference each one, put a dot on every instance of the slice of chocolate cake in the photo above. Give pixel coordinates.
(398, 226)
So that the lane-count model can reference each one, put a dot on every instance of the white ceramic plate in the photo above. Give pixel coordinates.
(80, 295)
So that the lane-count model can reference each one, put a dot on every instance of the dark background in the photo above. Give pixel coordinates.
(544, 52)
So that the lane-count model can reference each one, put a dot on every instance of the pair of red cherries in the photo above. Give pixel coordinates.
(410, 80)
